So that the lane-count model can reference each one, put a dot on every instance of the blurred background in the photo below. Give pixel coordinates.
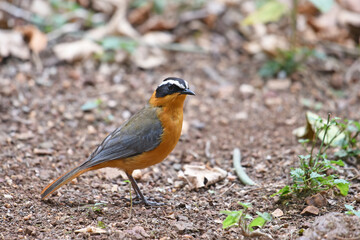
(72, 71)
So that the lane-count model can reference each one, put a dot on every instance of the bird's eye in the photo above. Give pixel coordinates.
(174, 88)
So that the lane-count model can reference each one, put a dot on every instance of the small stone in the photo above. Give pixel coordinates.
(241, 116)
(91, 129)
(247, 90)
(278, 84)
(28, 217)
(277, 213)
(89, 117)
(272, 101)
(181, 226)
(178, 184)
(8, 196)
(112, 103)
(177, 166)
(7, 205)
(39, 151)
(30, 230)
(310, 210)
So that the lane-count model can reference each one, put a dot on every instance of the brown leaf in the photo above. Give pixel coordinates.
(76, 50)
(36, 39)
(147, 57)
(200, 176)
(310, 210)
(13, 44)
(277, 213)
(317, 200)
(118, 24)
(91, 230)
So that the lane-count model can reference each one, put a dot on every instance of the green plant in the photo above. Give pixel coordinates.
(350, 148)
(244, 221)
(98, 207)
(101, 225)
(131, 200)
(312, 174)
(286, 61)
(352, 210)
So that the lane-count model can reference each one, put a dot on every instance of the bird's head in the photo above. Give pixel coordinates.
(171, 91)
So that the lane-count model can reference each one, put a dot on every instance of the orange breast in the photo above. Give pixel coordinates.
(171, 117)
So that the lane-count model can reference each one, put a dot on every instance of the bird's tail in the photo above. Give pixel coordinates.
(67, 177)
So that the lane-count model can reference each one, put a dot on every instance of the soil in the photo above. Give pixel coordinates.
(44, 133)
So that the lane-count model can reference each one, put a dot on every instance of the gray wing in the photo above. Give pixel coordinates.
(141, 133)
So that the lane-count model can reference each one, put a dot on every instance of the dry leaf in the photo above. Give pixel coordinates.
(76, 50)
(277, 213)
(201, 176)
(312, 124)
(352, 5)
(147, 58)
(36, 39)
(89, 229)
(157, 38)
(13, 44)
(41, 8)
(317, 200)
(310, 210)
(118, 24)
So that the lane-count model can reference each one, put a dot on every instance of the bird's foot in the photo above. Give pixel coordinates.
(151, 203)
(137, 200)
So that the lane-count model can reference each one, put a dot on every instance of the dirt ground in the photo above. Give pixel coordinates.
(44, 133)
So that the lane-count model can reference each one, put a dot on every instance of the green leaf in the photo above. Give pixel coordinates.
(101, 225)
(297, 173)
(257, 222)
(232, 218)
(271, 11)
(338, 162)
(352, 211)
(341, 153)
(245, 205)
(90, 105)
(316, 175)
(265, 215)
(342, 185)
(285, 190)
(159, 6)
(323, 5)
(116, 43)
(269, 69)
(349, 207)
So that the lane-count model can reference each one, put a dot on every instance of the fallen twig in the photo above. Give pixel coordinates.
(244, 178)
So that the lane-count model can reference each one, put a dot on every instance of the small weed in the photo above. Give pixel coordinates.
(312, 175)
(98, 207)
(101, 225)
(131, 200)
(352, 210)
(245, 221)
(285, 62)
(350, 148)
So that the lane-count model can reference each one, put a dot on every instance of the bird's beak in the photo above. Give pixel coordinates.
(187, 92)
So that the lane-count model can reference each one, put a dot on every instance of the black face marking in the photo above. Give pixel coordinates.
(170, 86)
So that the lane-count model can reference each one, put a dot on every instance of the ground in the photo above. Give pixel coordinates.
(44, 133)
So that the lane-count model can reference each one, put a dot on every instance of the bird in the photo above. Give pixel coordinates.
(145, 139)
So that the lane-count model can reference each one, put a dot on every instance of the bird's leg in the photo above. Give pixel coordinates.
(139, 193)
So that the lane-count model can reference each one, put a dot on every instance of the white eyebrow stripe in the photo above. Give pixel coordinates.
(175, 83)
